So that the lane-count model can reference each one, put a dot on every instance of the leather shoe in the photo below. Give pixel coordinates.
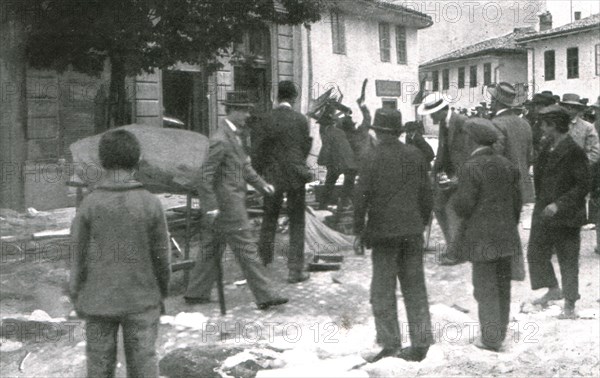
(414, 353)
(553, 294)
(194, 301)
(296, 277)
(481, 345)
(568, 311)
(385, 352)
(272, 302)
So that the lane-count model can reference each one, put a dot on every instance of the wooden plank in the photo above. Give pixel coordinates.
(147, 91)
(42, 108)
(285, 42)
(285, 55)
(285, 30)
(147, 108)
(286, 69)
(42, 127)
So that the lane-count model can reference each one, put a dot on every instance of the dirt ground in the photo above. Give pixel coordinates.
(329, 307)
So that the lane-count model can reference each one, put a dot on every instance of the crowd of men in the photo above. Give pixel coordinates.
(475, 189)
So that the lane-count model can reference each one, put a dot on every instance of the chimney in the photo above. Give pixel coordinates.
(545, 21)
(577, 16)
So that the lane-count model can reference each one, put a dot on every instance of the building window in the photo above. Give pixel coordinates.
(436, 81)
(598, 59)
(473, 76)
(401, 44)
(338, 32)
(461, 77)
(384, 42)
(573, 63)
(446, 79)
(487, 74)
(549, 65)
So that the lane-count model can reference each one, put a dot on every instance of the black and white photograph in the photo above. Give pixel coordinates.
(299, 188)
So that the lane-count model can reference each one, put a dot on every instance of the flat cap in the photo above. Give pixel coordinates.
(481, 130)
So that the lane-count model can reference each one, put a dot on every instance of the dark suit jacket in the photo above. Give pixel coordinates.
(515, 142)
(394, 191)
(561, 177)
(488, 198)
(452, 146)
(224, 177)
(336, 152)
(282, 147)
(418, 141)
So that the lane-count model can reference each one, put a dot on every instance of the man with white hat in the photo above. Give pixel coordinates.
(452, 152)
(582, 132)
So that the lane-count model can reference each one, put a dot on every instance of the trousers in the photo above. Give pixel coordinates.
(491, 288)
(543, 243)
(347, 189)
(296, 212)
(244, 246)
(140, 332)
(400, 260)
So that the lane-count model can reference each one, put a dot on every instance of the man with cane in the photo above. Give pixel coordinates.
(222, 193)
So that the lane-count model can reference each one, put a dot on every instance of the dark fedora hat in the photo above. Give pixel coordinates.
(543, 98)
(238, 99)
(504, 93)
(387, 120)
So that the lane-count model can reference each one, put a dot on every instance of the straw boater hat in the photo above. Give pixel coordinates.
(504, 93)
(432, 103)
(238, 99)
(572, 99)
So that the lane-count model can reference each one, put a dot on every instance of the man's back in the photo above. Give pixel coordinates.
(284, 147)
(394, 189)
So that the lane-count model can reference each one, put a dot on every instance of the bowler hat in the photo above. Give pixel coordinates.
(238, 99)
(543, 98)
(504, 93)
(481, 130)
(571, 99)
(432, 103)
(387, 120)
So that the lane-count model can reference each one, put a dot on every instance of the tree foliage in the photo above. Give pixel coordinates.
(142, 35)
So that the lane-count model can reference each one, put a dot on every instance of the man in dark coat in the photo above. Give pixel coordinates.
(561, 183)
(415, 138)
(538, 102)
(451, 154)
(515, 139)
(488, 199)
(338, 157)
(283, 150)
(394, 193)
(223, 195)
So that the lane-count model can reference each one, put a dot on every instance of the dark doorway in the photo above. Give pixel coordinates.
(253, 81)
(184, 98)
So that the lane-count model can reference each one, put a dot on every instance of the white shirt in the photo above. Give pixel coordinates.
(231, 125)
(502, 111)
(448, 117)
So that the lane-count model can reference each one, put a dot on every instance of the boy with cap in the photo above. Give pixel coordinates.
(488, 199)
(394, 193)
(561, 180)
(120, 270)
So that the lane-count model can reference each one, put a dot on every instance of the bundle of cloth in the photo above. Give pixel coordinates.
(171, 160)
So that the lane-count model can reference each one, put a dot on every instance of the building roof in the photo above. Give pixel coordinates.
(588, 23)
(505, 44)
(385, 11)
